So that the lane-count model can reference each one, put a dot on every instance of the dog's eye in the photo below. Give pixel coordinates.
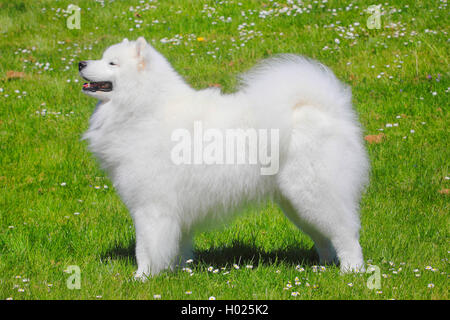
(112, 64)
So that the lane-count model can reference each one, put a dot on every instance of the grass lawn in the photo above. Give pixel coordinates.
(57, 208)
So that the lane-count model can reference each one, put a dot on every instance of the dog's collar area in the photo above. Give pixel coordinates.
(104, 86)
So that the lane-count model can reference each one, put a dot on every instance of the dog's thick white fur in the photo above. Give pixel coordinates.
(323, 163)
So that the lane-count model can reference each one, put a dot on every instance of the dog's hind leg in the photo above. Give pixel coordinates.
(323, 246)
(320, 183)
(333, 227)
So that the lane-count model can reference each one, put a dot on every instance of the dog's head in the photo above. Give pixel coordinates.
(117, 71)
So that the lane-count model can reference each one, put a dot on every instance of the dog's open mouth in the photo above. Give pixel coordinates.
(104, 86)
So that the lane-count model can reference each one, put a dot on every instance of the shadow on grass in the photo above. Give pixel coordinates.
(238, 252)
(122, 253)
(242, 253)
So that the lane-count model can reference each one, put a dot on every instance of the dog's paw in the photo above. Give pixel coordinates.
(353, 268)
(140, 276)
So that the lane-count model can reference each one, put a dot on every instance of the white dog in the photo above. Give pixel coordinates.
(323, 165)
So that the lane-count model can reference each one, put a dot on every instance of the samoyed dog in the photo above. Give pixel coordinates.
(165, 146)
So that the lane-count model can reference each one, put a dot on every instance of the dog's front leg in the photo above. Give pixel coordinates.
(157, 241)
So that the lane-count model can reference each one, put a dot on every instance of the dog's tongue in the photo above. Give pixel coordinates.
(86, 85)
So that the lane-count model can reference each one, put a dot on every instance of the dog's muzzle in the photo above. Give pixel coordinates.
(94, 86)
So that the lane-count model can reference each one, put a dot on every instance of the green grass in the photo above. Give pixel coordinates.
(399, 75)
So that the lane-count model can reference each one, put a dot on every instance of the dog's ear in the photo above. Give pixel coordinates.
(125, 40)
(141, 48)
(141, 45)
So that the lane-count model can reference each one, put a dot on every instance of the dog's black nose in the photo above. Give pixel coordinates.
(82, 65)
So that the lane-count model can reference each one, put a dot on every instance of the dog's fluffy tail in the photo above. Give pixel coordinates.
(297, 81)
